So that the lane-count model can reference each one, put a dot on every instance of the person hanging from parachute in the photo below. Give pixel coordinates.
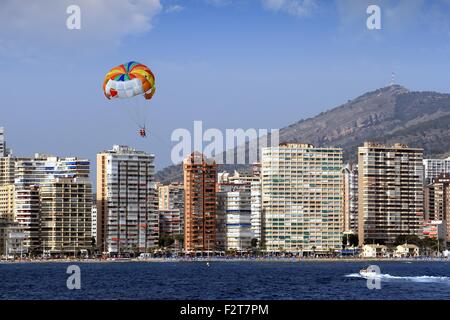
(143, 132)
(128, 81)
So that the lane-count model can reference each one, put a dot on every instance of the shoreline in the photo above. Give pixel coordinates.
(256, 260)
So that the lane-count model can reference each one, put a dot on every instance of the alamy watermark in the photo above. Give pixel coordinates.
(234, 146)
(73, 22)
(74, 280)
(373, 275)
(374, 20)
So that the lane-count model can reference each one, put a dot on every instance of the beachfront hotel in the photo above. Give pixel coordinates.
(127, 211)
(302, 198)
(390, 192)
(200, 177)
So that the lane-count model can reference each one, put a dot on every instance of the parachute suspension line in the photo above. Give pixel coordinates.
(132, 115)
(137, 113)
(144, 112)
(142, 109)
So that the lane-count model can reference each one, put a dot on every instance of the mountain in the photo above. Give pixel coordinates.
(387, 115)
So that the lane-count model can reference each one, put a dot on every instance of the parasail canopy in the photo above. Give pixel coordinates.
(129, 80)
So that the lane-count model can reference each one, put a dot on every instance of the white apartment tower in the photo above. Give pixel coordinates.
(256, 210)
(302, 198)
(234, 215)
(236, 192)
(127, 208)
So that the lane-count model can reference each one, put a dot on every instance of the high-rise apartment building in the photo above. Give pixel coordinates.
(302, 198)
(256, 210)
(11, 238)
(29, 175)
(65, 215)
(94, 222)
(240, 177)
(27, 210)
(42, 168)
(239, 209)
(434, 167)
(3, 151)
(170, 225)
(7, 192)
(437, 201)
(171, 197)
(435, 229)
(127, 208)
(256, 204)
(350, 221)
(390, 192)
(234, 214)
(200, 177)
(7, 170)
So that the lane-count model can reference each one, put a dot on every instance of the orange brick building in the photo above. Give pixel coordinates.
(200, 177)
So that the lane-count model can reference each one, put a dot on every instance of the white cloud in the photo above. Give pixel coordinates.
(30, 27)
(297, 8)
(174, 8)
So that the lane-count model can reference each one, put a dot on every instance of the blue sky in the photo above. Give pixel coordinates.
(231, 64)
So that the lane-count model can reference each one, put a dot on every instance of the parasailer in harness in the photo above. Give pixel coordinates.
(128, 81)
(143, 132)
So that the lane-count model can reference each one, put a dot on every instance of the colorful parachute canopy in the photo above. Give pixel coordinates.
(129, 80)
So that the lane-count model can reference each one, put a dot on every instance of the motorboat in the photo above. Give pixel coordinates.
(368, 273)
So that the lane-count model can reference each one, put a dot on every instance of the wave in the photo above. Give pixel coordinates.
(409, 278)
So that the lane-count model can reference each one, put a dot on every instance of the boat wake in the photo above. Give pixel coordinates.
(388, 277)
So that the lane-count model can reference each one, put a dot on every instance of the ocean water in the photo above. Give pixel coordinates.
(226, 280)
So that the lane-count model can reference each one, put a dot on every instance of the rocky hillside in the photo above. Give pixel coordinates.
(388, 115)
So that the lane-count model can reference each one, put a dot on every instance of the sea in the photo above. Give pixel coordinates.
(225, 280)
